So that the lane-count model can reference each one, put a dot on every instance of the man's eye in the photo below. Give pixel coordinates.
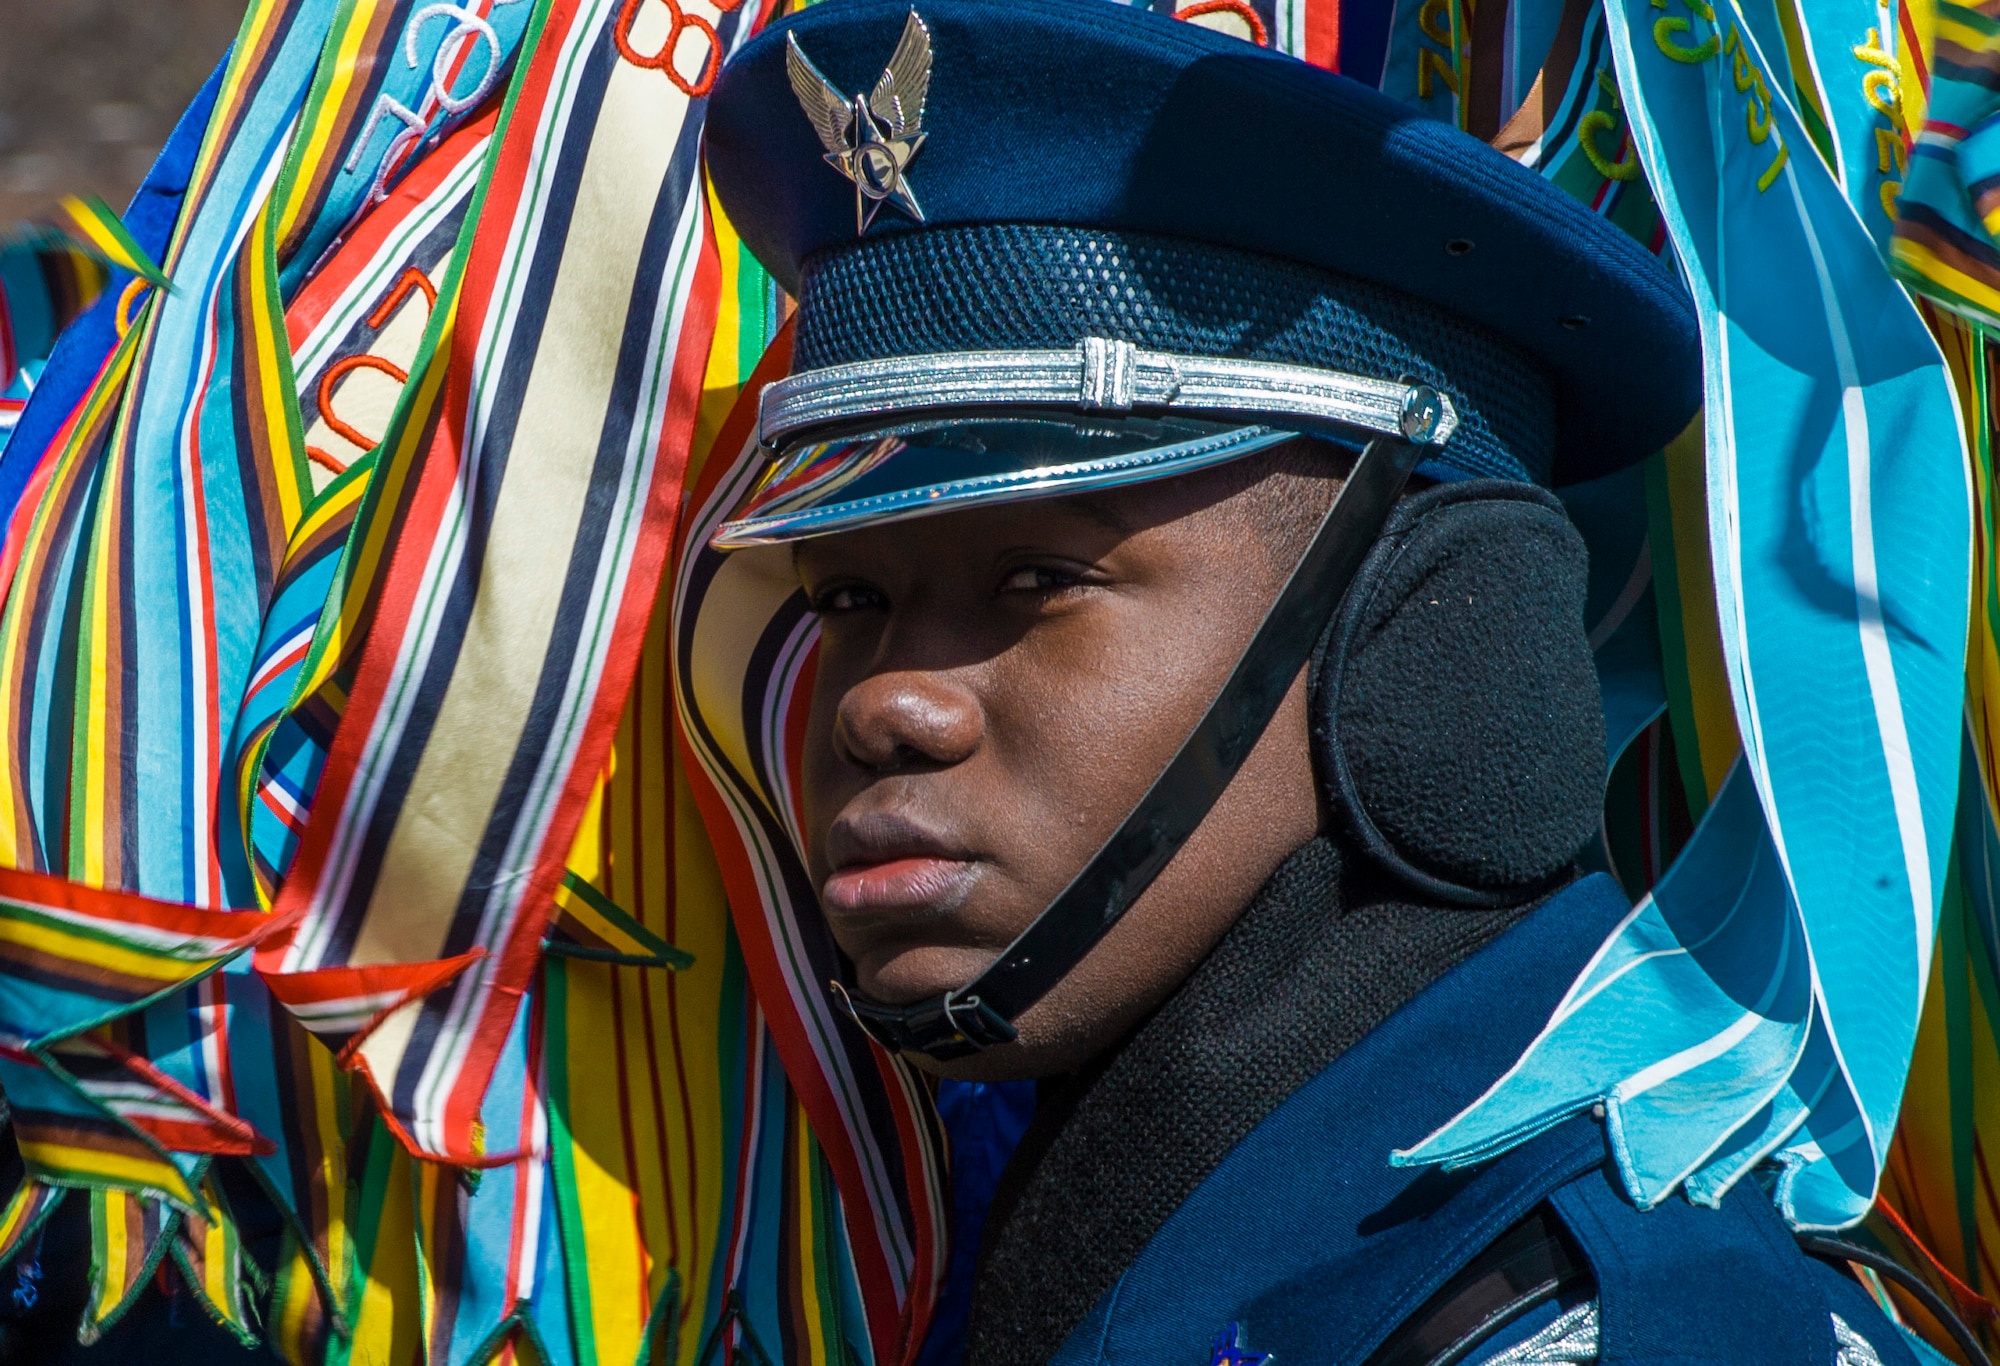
(849, 597)
(1039, 578)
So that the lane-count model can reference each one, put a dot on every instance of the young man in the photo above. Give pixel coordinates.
(1204, 721)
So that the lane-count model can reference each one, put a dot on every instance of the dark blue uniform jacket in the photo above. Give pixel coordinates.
(1316, 1248)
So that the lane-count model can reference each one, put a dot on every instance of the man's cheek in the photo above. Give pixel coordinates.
(826, 783)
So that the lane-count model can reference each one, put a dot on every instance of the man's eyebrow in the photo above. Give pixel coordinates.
(1102, 511)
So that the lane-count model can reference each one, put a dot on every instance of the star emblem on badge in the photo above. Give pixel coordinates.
(871, 140)
(1230, 1351)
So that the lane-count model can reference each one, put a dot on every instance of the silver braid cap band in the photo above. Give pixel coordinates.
(1109, 377)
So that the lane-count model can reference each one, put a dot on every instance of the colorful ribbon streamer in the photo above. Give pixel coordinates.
(1835, 472)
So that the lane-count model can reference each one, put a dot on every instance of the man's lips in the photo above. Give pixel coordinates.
(888, 863)
(924, 883)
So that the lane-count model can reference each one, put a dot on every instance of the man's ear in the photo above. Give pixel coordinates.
(1457, 731)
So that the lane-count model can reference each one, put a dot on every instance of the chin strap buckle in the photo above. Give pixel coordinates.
(945, 1027)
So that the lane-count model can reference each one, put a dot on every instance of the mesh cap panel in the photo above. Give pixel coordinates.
(998, 286)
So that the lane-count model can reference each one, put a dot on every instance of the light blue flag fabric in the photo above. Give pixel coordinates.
(1697, 1008)
(1764, 1002)
(1852, 47)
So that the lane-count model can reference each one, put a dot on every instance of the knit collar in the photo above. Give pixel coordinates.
(1316, 961)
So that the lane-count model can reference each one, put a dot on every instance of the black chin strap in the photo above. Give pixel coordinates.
(980, 1015)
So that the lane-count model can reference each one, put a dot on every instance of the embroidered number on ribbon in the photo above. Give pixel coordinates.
(411, 281)
(387, 106)
(470, 22)
(1435, 21)
(1606, 121)
(1667, 31)
(1881, 86)
(662, 61)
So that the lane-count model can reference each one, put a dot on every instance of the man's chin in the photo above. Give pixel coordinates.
(905, 976)
(1053, 1039)
(1052, 1042)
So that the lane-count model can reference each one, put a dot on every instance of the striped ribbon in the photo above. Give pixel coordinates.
(1939, 1206)
(96, 226)
(66, 549)
(1859, 78)
(1697, 681)
(1944, 241)
(1571, 126)
(1939, 1202)
(1426, 65)
(22, 1217)
(1534, 78)
(167, 487)
(1845, 84)
(694, 1176)
(461, 1316)
(42, 290)
(745, 643)
(75, 357)
(283, 1086)
(88, 1108)
(402, 1227)
(130, 1240)
(707, 1210)
(481, 1254)
(14, 400)
(398, 77)
(556, 537)
(355, 332)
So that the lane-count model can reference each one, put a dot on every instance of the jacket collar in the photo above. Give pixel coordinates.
(1304, 1234)
(1317, 962)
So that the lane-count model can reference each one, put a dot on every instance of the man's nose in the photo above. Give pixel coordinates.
(904, 719)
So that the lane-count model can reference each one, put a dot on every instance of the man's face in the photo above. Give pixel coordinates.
(998, 687)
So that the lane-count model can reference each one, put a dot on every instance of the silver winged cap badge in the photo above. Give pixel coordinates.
(871, 141)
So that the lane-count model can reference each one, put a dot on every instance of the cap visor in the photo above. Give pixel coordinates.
(918, 470)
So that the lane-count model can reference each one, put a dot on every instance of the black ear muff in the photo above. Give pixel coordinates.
(1456, 725)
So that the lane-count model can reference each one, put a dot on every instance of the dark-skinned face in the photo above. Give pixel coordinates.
(998, 687)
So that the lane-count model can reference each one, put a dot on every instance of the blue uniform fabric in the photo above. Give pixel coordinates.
(1317, 1248)
(1679, 1283)
(984, 1122)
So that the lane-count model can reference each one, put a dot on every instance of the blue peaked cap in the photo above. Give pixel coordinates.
(1090, 169)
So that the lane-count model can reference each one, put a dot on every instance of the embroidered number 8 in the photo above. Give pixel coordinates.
(663, 60)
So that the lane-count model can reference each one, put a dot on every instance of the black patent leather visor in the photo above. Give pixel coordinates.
(912, 470)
